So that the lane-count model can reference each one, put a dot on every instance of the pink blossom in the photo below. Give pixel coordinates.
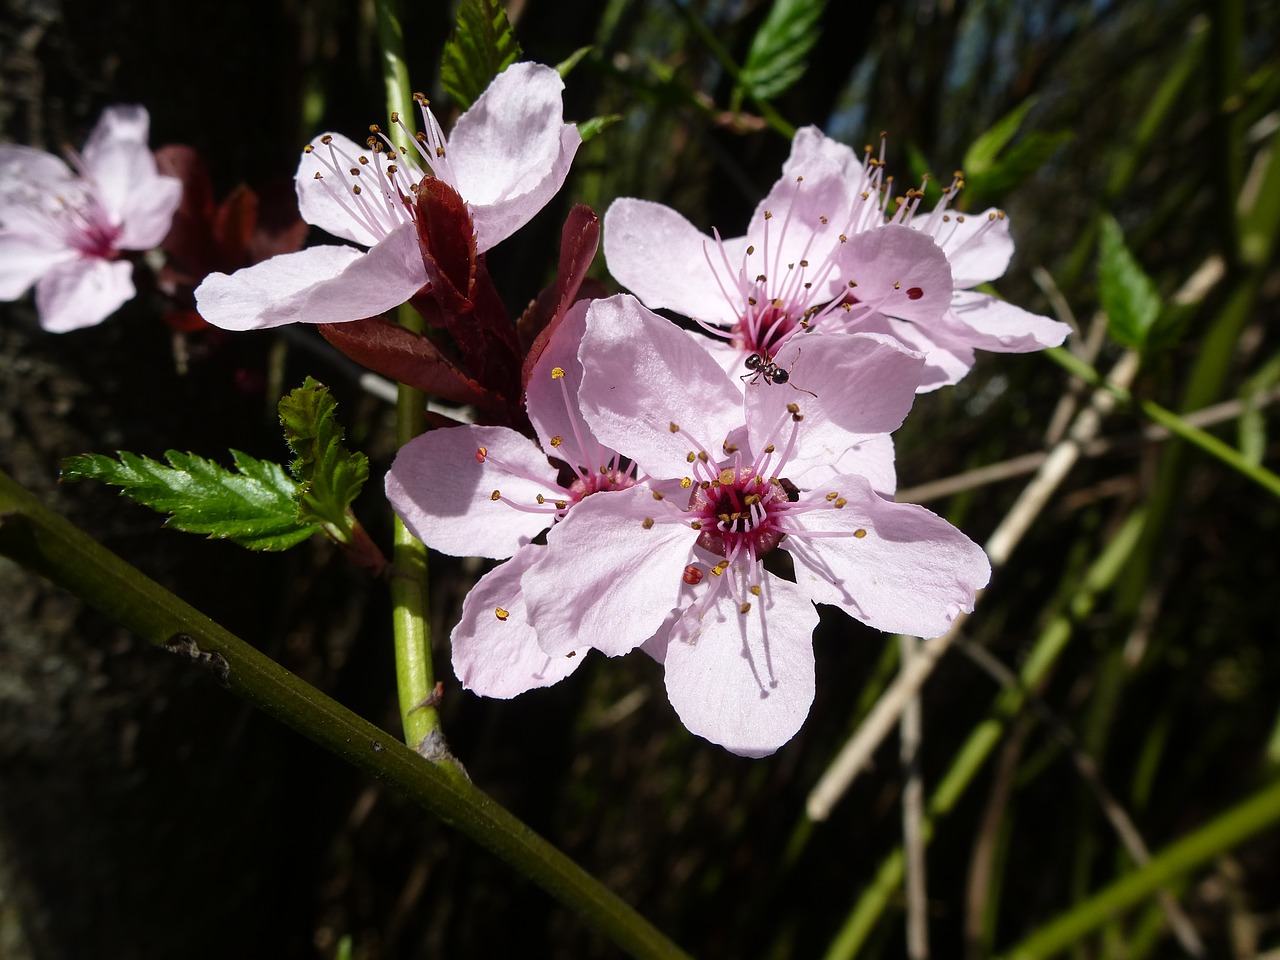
(978, 248)
(62, 227)
(489, 491)
(675, 564)
(805, 263)
(507, 156)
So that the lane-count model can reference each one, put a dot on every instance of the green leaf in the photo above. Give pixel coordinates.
(1016, 166)
(776, 59)
(331, 475)
(571, 61)
(252, 506)
(482, 46)
(981, 156)
(597, 125)
(1127, 294)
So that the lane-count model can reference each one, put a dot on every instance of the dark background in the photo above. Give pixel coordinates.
(144, 813)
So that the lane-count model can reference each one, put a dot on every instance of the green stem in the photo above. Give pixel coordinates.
(1170, 421)
(48, 544)
(410, 602)
(1238, 824)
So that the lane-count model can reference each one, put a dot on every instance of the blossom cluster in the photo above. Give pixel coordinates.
(693, 490)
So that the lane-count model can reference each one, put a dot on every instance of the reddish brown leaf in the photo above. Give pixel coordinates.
(410, 358)
(578, 243)
(448, 241)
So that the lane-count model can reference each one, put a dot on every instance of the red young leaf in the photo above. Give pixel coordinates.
(447, 237)
(391, 350)
(578, 242)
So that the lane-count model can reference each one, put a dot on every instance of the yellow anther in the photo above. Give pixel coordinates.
(557, 373)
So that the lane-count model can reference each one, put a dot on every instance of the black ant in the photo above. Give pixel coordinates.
(762, 365)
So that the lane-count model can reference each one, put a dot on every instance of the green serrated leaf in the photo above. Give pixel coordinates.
(253, 507)
(597, 125)
(482, 46)
(982, 154)
(1127, 294)
(776, 59)
(330, 475)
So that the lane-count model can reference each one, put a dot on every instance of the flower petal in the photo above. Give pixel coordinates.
(991, 324)
(495, 651)
(511, 151)
(643, 375)
(897, 271)
(865, 385)
(945, 361)
(83, 292)
(24, 168)
(978, 245)
(552, 402)
(444, 494)
(148, 211)
(909, 572)
(318, 285)
(608, 581)
(745, 681)
(663, 259)
(324, 199)
(25, 258)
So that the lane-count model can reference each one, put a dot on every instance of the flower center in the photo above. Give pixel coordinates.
(738, 513)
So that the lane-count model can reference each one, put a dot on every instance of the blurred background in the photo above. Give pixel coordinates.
(144, 813)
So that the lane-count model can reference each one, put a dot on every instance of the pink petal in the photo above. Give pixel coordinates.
(444, 494)
(899, 272)
(552, 403)
(911, 572)
(865, 385)
(641, 375)
(317, 285)
(663, 259)
(123, 124)
(811, 146)
(872, 459)
(511, 151)
(978, 245)
(745, 681)
(607, 581)
(329, 205)
(945, 361)
(801, 219)
(25, 258)
(23, 167)
(83, 292)
(118, 161)
(497, 654)
(991, 324)
(148, 211)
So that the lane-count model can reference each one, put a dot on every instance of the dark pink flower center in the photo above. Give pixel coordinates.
(738, 514)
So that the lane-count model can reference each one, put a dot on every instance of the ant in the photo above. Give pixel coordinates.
(761, 365)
